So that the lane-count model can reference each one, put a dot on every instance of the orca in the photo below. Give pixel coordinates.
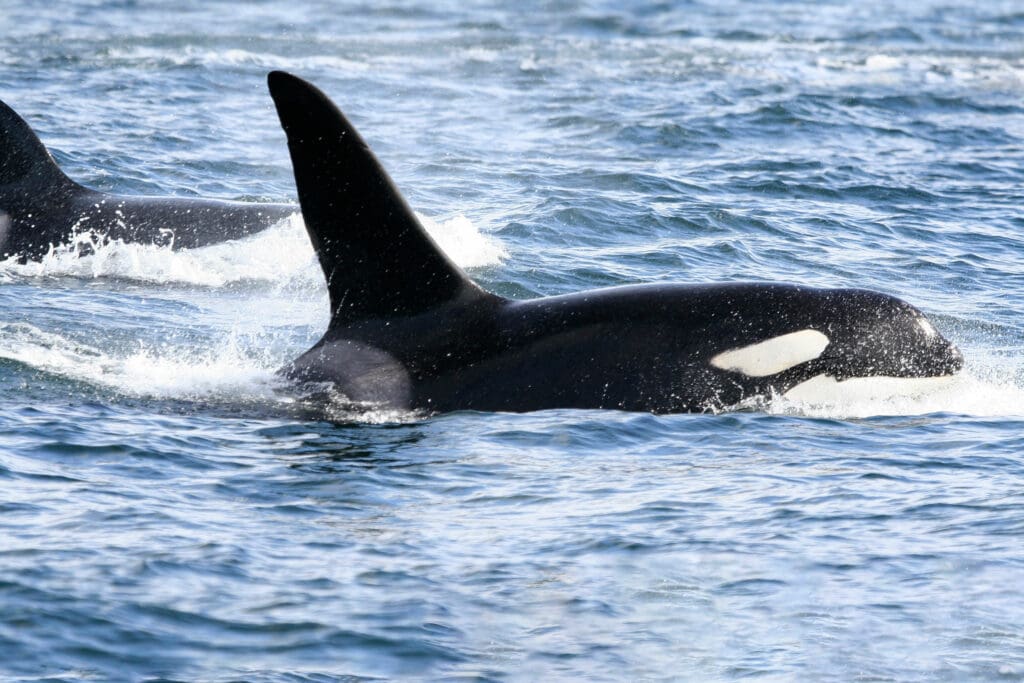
(41, 207)
(409, 330)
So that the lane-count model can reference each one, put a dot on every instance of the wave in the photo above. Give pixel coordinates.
(977, 392)
(163, 371)
(222, 373)
(281, 254)
(196, 55)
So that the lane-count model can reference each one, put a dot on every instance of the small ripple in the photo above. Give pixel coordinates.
(749, 587)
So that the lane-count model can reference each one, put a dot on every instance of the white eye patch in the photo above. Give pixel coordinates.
(773, 355)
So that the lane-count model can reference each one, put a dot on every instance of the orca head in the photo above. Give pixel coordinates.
(882, 336)
(822, 342)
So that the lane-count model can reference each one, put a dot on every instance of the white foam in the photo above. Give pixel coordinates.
(167, 371)
(219, 370)
(882, 63)
(464, 243)
(193, 55)
(530, 63)
(281, 255)
(964, 394)
(218, 373)
(838, 65)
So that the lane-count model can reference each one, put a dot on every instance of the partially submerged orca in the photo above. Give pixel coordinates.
(410, 330)
(41, 207)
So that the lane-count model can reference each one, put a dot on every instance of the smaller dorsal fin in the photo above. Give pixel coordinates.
(23, 157)
(378, 259)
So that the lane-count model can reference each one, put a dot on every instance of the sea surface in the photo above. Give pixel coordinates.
(170, 511)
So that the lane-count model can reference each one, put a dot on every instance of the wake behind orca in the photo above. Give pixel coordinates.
(410, 330)
(41, 207)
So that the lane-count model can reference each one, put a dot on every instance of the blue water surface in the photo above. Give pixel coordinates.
(169, 512)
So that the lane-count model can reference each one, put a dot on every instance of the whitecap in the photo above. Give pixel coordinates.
(978, 393)
(221, 370)
(281, 255)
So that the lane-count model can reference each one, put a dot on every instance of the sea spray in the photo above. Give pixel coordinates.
(280, 255)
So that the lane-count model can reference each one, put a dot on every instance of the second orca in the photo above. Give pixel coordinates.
(41, 207)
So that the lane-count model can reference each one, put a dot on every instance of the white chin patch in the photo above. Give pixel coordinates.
(823, 389)
(773, 355)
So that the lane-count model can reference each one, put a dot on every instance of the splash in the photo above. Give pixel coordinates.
(280, 255)
(234, 366)
(220, 373)
(464, 243)
(979, 393)
(163, 371)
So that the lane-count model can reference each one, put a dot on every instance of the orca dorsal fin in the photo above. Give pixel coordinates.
(23, 157)
(378, 259)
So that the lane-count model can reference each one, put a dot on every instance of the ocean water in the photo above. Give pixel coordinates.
(169, 511)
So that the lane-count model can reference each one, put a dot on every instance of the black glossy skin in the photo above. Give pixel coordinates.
(643, 348)
(40, 206)
(409, 329)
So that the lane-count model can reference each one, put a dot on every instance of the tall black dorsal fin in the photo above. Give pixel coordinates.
(378, 259)
(23, 157)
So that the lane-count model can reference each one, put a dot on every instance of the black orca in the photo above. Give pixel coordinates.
(410, 330)
(40, 206)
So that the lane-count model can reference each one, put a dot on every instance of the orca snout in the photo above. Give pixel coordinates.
(936, 355)
(928, 354)
(890, 338)
(949, 359)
